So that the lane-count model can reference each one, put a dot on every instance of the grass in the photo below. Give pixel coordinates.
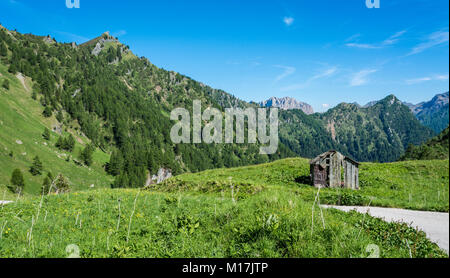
(21, 120)
(418, 185)
(150, 224)
(256, 211)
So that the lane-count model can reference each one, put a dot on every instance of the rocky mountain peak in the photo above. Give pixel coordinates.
(287, 103)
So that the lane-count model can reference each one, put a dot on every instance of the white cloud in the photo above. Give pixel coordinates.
(443, 77)
(324, 74)
(287, 71)
(360, 78)
(434, 39)
(389, 41)
(73, 37)
(288, 20)
(119, 33)
(325, 105)
(362, 45)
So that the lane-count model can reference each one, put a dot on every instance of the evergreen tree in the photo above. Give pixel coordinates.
(47, 183)
(36, 168)
(70, 143)
(86, 155)
(60, 143)
(3, 49)
(17, 180)
(60, 116)
(46, 134)
(6, 84)
(47, 112)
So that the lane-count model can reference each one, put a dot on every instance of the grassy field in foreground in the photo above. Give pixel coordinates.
(132, 223)
(21, 128)
(419, 185)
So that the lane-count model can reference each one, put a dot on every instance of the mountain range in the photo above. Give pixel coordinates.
(101, 92)
(433, 114)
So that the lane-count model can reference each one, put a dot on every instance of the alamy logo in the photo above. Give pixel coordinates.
(212, 131)
(373, 4)
(73, 4)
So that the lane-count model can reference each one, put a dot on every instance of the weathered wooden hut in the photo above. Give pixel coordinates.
(333, 169)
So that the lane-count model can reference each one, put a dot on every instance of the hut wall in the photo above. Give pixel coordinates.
(335, 171)
(319, 176)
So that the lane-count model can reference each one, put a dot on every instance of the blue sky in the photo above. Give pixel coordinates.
(322, 52)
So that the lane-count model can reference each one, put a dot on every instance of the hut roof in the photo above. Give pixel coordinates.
(318, 159)
(321, 156)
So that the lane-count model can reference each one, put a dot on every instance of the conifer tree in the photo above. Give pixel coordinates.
(17, 180)
(36, 168)
(46, 134)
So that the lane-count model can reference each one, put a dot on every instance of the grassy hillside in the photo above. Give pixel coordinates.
(21, 128)
(420, 185)
(436, 148)
(257, 211)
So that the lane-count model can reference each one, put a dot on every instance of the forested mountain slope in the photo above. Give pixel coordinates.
(436, 148)
(122, 104)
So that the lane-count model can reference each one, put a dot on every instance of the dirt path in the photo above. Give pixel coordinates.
(22, 80)
(434, 224)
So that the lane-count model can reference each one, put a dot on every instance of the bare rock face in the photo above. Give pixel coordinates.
(162, 175)
(431, 106)
(287, 103)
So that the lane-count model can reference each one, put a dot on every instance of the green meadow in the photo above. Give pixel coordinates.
(257, 211)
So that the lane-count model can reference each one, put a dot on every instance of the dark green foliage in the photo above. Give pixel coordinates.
(47, 112)
(46, 134)
(437, 121)
(436, 148)
(3, 49)
(86, 155)
(67, 143)
(17, 180)
(46, 184)
(70, 143)
(60, 116)
(6, 84)
(378, 133)
(37, 167)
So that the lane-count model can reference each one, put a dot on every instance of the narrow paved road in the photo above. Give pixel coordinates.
(434, 224)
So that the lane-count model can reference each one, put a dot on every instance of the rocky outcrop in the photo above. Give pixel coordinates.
(162, 175)
(287, 103)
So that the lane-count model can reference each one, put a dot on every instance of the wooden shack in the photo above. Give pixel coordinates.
(333, 169)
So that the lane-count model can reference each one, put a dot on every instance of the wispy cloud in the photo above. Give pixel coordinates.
(287, 71)
(73, 37)
(363, 45)
(119, 33)
(361, 78)
(326, 73)
(443, 77)
(323, 74)
(434, 39)
(387, 42)
(288, 20)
